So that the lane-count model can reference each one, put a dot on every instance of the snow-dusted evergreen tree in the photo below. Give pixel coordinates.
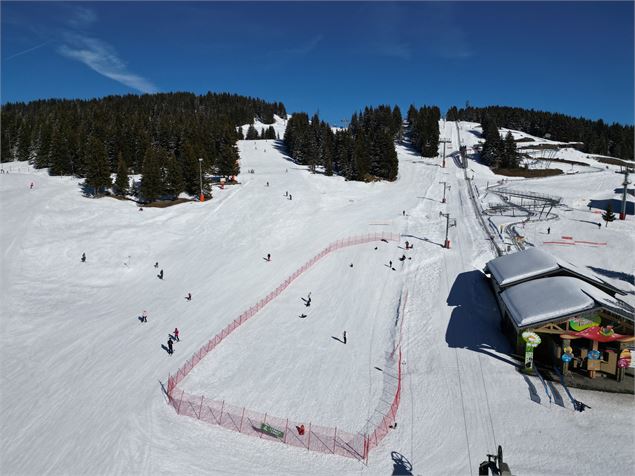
(122, 183)
(97, 166)
(252, 133)
(173, 183)
(510, 157)
(152, 175)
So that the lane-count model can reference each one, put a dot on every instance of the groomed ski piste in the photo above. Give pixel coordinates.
(83, 380)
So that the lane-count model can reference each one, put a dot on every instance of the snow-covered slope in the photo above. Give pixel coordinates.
(81, 378)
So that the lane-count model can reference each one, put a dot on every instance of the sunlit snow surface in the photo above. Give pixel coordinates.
(81, 377)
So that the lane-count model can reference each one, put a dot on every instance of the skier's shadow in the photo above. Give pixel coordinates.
(337, 339)
(165, 348)
(140, 318)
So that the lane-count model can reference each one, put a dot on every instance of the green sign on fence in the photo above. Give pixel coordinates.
(271, 431)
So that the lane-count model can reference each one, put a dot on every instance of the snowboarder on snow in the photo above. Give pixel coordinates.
(302, 316)
(189, 296)
(144, 316)
(549, 231)
(600, 225)
(83, 257)
(268, 256)
(31, 185)
(344, 337)
(290, 197)
(156, 265)
(170, 349)
(390, 264)
(160, 275)
(267, 184)
(176, 334)
(407, 245)
(403, 212)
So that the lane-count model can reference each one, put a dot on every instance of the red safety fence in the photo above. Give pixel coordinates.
(312, 437)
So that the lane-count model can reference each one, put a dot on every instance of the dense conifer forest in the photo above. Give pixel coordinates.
(598, 137)
(161, 136)
(364, 151)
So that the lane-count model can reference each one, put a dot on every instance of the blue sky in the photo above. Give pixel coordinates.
(569, 57)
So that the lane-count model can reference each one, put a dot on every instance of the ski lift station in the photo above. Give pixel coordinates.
(570, 319)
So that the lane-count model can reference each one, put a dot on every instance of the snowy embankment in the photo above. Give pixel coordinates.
(81, 376)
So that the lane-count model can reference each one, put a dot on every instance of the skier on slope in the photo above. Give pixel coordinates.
(160, 275)
(344, 337)
(176, 334)
(83, 257)
(144, 316)
(188, 297)
(170, 349)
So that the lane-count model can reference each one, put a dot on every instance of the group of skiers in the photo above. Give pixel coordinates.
(171, 339)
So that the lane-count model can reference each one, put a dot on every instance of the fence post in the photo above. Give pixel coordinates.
(309, 443)
(265, 422)
(286, 429)
(334, 439)
(200, 408)
(240, 430)
(220, 418)
(178, 410)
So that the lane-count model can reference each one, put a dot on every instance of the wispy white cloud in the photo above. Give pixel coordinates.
(278, 58)
(298, 51)
(102, 58)
(81, 17)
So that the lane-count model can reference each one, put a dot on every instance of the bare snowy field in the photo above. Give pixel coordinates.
(80, 376)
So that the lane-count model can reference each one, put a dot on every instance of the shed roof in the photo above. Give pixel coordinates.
(508, 269)
(534, 262)
(548, 299)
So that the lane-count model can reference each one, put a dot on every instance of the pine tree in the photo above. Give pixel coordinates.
(240, 134)
(510, 156)
(24, 142)
(151, 178)
(97, 166)
(173, 182)
(191, 172)
(59, 155)
(252, 133)
(608, 215)
(122, 183)
(227, 161)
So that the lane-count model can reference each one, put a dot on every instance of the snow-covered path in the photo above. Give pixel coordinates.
(81, 377)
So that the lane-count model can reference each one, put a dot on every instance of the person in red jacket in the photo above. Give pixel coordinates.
(176, 334)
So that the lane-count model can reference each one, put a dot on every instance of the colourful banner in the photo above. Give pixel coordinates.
(581, 323)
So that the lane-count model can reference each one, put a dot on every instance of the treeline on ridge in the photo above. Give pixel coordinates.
(365, 150)
(93, 138)
(598, 137)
